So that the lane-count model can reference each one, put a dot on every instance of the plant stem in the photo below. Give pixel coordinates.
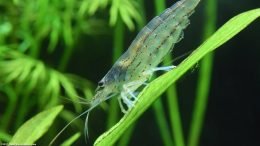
(172, 98)
(175, 118)
(162, 123)
(6, 117)
(204, 78)
(65, 58)
(113, 113)
(124, 140)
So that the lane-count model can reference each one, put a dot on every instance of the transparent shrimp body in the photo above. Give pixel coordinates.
(135, 67)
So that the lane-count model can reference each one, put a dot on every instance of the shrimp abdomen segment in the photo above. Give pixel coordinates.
(157, 45)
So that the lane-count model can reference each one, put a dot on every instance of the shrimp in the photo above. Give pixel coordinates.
(136, 66)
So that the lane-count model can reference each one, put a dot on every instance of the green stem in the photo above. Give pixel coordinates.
(24, 107)
(124, 140)
(7, 116)
(175, 118)
(68, 36)
(35, 50)
(172, 98)
(162, 123)
(65, 58)
(113, 113)
(204, 78)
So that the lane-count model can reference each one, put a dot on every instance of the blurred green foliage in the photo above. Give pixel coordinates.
(31, 32)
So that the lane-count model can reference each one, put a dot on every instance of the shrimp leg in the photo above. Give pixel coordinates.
(127, 94)
(121, 104)
(163, 68)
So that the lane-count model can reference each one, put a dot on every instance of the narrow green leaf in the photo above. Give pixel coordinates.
(113, 15)
(83, 8)
(34, 128)
(126, 18)
(204, 77)
(93, 7)
(71, 140)
(159, 85)
(54, 35)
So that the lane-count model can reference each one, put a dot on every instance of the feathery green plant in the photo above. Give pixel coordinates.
(32, 30)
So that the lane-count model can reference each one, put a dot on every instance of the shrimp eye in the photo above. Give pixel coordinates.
(101, 84)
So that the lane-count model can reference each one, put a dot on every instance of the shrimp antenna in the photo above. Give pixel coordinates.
(94, 103)
(64, 128)
(179, 57)
(182, 56)
(86, 128)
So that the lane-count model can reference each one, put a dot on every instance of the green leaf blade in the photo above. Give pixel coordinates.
(34, 128)
(71, 140)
